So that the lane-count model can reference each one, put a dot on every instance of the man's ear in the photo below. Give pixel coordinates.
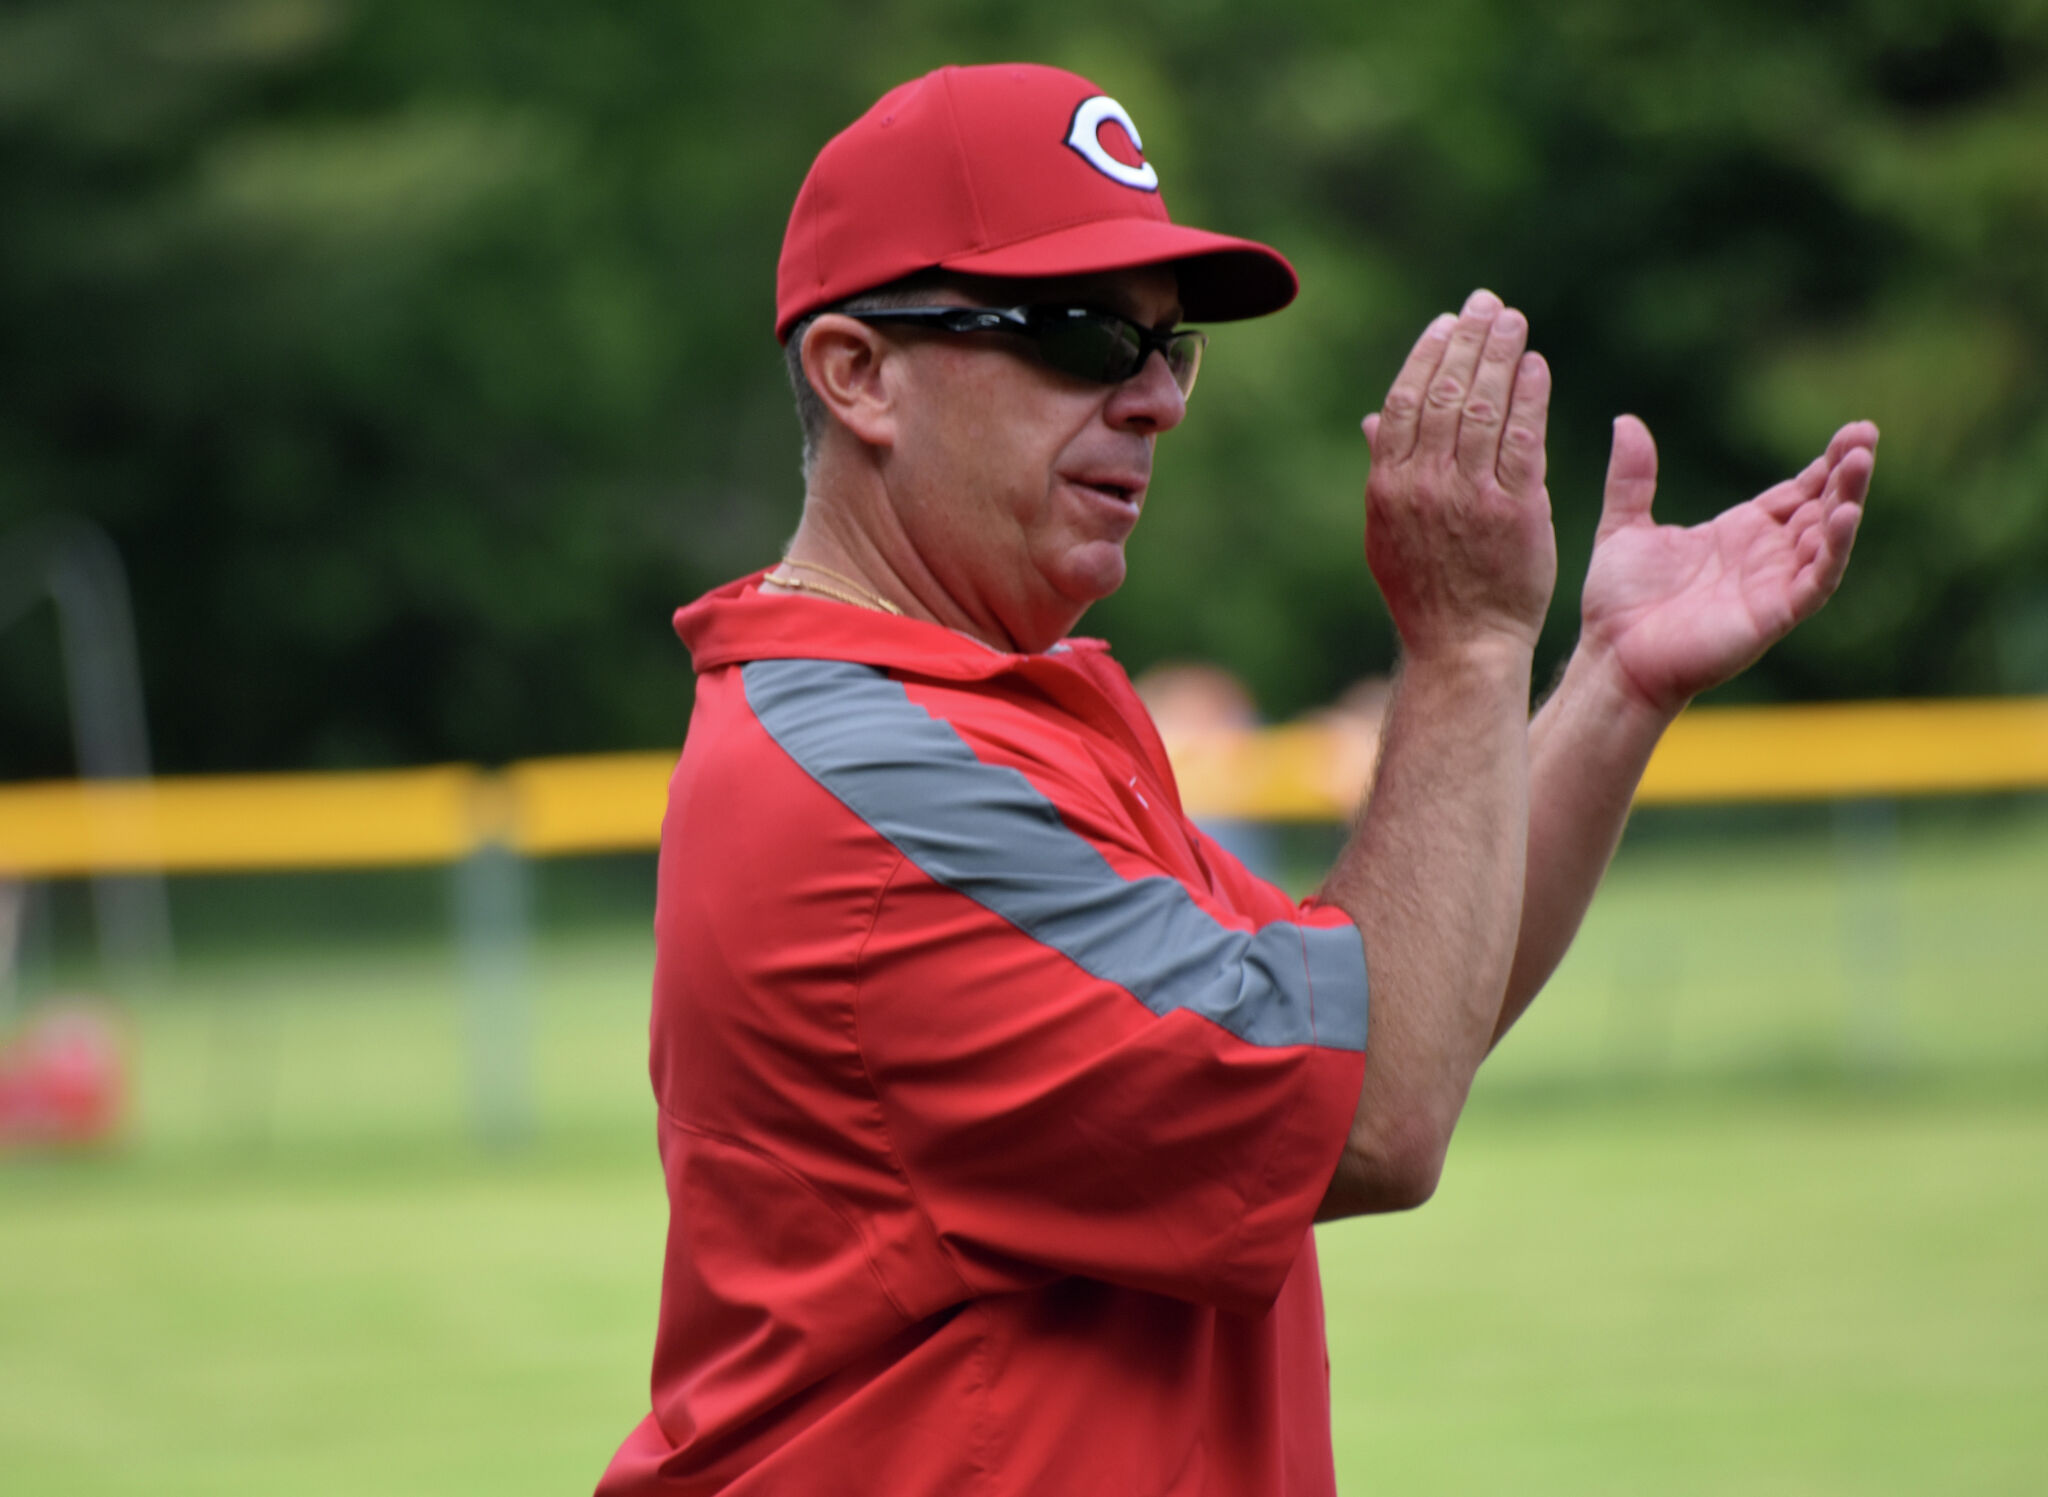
(847, 363)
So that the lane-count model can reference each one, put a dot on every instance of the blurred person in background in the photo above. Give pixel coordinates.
(1206, 714)
(996, 1099)
(1353, 723)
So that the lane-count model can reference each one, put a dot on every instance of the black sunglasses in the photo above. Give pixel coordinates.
(1100, 347)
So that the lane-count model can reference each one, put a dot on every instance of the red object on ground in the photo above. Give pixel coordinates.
(63, 1080)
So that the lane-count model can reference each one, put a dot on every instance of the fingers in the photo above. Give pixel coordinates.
(1825, 525)
(1857, 440)
(1456, 395)
(1820, 574)
(1850, 480)
(1631, 476)
(1443, 405)
(1855, 434)
(1402, 414)
(1485, 412)
(1522, 461)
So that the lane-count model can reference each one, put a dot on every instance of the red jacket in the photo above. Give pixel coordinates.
(995, 1099)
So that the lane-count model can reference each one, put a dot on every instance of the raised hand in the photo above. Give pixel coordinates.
(1457, 518)
(1458, 536)
(1679, 609)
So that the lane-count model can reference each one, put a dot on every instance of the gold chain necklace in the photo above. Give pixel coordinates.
(860, 597)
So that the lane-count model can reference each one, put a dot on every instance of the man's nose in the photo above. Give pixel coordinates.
(1149, 400)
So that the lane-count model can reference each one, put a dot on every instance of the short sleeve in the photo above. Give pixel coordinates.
(1084, 1065)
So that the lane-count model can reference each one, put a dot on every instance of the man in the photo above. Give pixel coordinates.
(996, 1102)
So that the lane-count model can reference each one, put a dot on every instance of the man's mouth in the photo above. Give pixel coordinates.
(1124, 490)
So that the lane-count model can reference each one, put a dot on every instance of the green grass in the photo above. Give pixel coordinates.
(1864, 946)
(1752, 1203)
(430, 1324)
(1773, 1296)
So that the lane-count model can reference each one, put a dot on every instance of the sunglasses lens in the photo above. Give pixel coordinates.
(1101, 349)
(1184, 358)
(1108, 350)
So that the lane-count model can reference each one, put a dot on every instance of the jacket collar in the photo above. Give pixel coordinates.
(736, 623)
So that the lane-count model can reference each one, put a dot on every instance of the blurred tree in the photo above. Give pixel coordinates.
(417, 356)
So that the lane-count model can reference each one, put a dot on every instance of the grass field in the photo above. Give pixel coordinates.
(1753, 1203)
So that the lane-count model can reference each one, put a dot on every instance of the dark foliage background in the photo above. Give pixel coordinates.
(418, 356)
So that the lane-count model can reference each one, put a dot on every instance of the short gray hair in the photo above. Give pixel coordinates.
(811, 415)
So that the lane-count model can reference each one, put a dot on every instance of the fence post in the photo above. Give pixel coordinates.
(73, 563)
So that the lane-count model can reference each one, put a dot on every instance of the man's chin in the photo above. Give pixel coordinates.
(1074, 587)
(1094, 572)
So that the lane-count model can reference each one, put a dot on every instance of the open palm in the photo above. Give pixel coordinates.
(1680, 609)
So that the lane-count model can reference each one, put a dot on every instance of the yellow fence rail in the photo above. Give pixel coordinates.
(614, 802)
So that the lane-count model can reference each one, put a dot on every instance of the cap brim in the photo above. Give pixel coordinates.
(1221, 279)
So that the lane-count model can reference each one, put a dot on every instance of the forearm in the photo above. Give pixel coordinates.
(1588, 747)
(1433, 876)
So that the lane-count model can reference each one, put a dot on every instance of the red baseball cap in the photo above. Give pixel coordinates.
(1004, 170)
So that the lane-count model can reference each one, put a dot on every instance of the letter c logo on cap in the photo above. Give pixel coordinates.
(1089, 118)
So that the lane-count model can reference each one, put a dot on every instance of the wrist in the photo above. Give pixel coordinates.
(1492, 656)
(1596, 675)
